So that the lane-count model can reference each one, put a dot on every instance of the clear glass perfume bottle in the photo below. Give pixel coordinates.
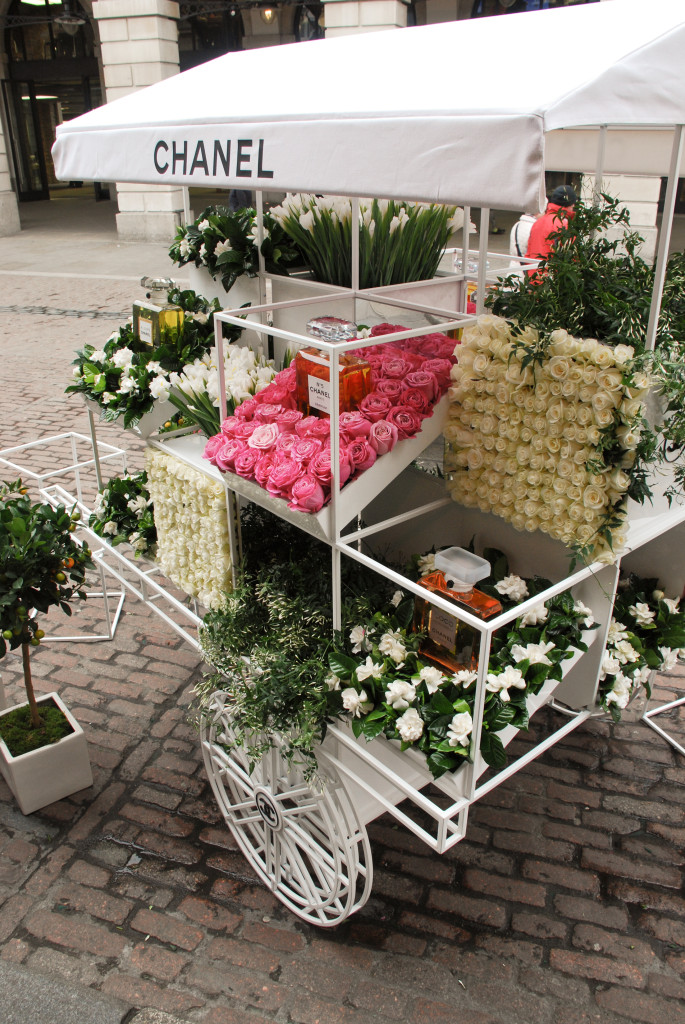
(151, 318)
(450, 643)
(313, 372)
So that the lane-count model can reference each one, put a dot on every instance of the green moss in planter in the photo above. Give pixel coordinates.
(21, 737)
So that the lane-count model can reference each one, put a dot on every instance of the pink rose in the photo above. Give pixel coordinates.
(405, 419)
(395, 368)
(320, 467)
(416, 400)
(228, 425)
(442, 369)
(374, 406)
(276, 394)
(263, 467)
(386, 329)
(268, 413)
(214, 444)
(307, 495)
(392, 389)
(306, 448)
(288, 420)
(245, 462)
(354, 424)
(263, 437)
(313, 426)
(423, 381)
(244, 429)
(285, 442)
(225, 457)
(362, 455)
(383, 436)
(284, 472)
(246, 409)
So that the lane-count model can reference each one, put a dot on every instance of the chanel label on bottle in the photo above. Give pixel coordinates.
(442, 629)
(145, 330)
(319, 394)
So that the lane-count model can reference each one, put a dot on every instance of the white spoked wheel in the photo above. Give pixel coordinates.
(308, 847)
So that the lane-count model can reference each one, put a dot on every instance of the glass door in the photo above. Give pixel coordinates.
(24, 118)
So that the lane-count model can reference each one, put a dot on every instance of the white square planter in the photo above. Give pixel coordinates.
(50, 773)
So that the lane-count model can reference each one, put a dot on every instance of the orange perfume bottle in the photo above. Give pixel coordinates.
(450, 643)
(313, 371)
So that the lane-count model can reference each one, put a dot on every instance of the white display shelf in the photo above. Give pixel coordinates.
(353, 497)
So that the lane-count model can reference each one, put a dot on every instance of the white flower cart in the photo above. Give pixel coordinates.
(423, 121)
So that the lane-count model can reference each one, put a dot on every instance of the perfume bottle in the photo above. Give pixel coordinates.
(151, 318)
(450, 643)
(313, 373)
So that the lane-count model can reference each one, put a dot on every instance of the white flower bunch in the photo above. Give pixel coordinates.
(193, 546)
(245, 373)
(529, 446)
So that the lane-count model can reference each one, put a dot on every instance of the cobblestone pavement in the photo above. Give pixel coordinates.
(563, 904)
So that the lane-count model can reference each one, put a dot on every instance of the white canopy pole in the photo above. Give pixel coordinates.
(482, 258)
(355, 225)
(664, 237)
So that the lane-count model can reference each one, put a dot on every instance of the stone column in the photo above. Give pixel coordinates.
(343, 17)
(9, 208)
(139, 46)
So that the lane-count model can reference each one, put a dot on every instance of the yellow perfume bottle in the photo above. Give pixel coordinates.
(450, 643)
(151, 318)
(313, 370)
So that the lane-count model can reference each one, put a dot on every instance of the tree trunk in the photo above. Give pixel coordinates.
(28, 683)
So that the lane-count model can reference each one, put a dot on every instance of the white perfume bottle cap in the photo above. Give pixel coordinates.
(461, 568)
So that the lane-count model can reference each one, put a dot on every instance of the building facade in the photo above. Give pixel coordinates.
(60, 58)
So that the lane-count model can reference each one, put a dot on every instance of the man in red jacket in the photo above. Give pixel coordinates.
(558, 213)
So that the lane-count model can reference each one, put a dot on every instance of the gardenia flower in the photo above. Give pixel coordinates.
(358, 639)
(410, 725)
(502, 682)
(432, 677)
(642, 613)
(625, 652)
(97, 356)
(459, 729)
(390, 644)
(426, 564)
(610, 666)
(354, 702)
(138, 504)
(128, 384)
(535, 654)
(122, 357)
(535, 615)
(671, 604)
(110, 528)
(106, 397)
(369, 668)
(670, 656)
(400, 694)
(620, 691)
(159, 388)
(617, 631)
(464, 678)
(396, 598)
(513, 587)
(332, 681)
(582, 609)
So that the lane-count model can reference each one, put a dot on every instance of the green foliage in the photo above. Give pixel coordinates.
(383, 651)
(269, 644)
(119, 376)
(123, 513)
(224, 241)
(397, 241)
(646, 632)
(586, 285)
(41, 564)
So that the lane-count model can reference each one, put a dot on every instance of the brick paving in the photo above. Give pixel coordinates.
(563, 903)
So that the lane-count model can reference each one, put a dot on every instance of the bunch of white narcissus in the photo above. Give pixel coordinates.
(527, 445)
(193, 546)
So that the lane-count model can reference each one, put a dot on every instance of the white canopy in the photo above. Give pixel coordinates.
(453, 112)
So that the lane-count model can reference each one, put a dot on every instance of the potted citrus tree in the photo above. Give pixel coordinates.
(43, 752)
